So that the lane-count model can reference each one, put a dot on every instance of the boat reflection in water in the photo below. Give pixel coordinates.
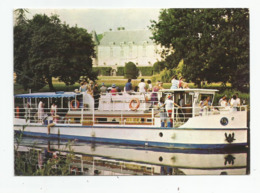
(103, 159)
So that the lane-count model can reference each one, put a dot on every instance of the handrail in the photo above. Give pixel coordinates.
(85, 116)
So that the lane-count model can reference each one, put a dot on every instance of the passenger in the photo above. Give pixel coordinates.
(103, 89)
(113, 90)
(53, 110)
(83, 86)
(169, 104)
(237, 100)
(150, 86)
(209, 102)
(90, 88)
(221, 99)
(163, 115)
(175, 83)
(40, 111)
(128, 86)
(181, 104)
(234, 103)
(224, 103)
(96, 94)
(118, 89)
(142, 86)
(181, 101)
(154, 96)
(183, 84)
(205, 105)
(136, 89)
(161, 85)
(201, 104)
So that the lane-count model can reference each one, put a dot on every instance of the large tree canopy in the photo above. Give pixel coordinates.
(44, 48)
(213, 43)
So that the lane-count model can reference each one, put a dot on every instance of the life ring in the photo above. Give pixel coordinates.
(134, 100)
(72, 103)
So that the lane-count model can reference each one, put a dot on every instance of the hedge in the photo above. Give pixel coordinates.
(103, 71)
(120, 71)
(146, 71)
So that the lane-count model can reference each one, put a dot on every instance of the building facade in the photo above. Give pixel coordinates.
(116, 48)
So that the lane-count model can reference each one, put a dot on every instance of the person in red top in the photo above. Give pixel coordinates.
(182, 84)
(113, 90)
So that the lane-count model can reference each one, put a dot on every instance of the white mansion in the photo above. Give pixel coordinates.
(119, 47)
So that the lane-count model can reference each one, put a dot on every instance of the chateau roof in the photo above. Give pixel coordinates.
(137, 37)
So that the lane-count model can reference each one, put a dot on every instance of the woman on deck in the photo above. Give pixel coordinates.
(175, 83)
(83, 86)
(40, 111)
(154, 96)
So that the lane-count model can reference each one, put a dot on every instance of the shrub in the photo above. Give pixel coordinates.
(131, 71)
(146, 71)
(166, 75)
(158, 67)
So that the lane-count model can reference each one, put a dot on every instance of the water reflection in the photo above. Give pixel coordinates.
(103, 159)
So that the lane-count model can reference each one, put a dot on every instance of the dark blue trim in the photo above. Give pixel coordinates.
(135, 142)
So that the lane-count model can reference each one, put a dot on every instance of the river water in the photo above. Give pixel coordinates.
(108, 160)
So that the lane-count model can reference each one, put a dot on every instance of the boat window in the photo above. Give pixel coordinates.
(188, 98)
(204, 96)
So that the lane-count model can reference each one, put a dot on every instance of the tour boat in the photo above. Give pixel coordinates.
(133, 119)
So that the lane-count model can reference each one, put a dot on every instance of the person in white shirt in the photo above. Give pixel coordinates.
(40, 111)
(221, 100)
(234, 103)
(142, 86)
(169, 105)
(175, 83)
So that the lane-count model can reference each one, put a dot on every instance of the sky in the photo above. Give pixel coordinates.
(101, 20)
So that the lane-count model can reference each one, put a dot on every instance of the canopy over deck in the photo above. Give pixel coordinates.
(47, 95)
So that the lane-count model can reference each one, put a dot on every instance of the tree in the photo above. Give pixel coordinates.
(213, 43)
(158, 67)
(131, 71)
(20, 16)
(44, 48)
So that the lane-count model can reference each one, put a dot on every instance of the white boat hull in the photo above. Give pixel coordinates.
(194, 138)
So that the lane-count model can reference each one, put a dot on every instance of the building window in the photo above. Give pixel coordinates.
(130, 49)
(144, 49)
(111, 45)
(122, 49)
(111, 51)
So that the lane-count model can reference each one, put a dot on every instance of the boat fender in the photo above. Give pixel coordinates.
(72, 103)
(134, 100)
(146, 99)
(17, 112)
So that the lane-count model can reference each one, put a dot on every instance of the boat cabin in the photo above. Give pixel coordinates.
(117, 108)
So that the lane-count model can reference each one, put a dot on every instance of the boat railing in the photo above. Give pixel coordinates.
(151, 117)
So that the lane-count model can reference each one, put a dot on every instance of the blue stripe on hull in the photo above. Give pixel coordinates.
(135, 142)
